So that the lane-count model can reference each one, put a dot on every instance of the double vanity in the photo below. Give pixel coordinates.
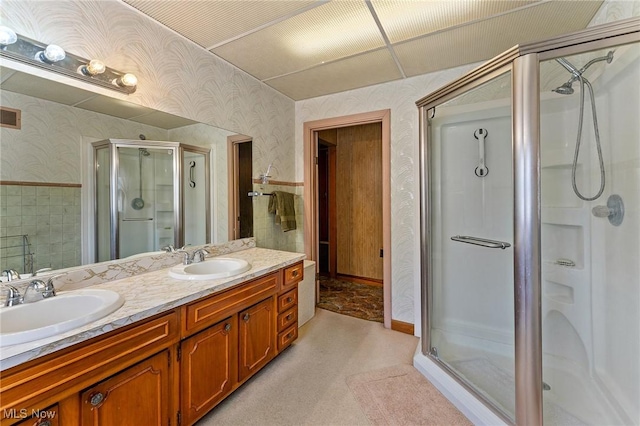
(173, 350)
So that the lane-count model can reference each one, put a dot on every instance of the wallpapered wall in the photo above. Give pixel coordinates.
(178, 77)
(175, 75)
(400, 97)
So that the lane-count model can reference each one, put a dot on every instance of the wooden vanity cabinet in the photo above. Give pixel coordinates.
(138, 395)
(61, 378)
(257, 345)
(208, 368)
(170, 369)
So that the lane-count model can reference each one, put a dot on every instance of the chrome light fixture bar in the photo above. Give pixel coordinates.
(53, 58)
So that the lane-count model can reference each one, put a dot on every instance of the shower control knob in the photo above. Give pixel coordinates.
(614, 210)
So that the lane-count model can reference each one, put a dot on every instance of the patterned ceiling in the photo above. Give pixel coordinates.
(306, 48)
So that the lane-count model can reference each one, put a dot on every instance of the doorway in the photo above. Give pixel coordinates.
(340, 242)
(240, 171)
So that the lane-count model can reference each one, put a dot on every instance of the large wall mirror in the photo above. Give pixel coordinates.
(47, 167)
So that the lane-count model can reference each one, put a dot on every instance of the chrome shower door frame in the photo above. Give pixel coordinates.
(524, 61)
(113, 145)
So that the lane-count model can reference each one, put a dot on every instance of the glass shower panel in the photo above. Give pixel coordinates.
(145, 199)
(471, 205)
(590, 186)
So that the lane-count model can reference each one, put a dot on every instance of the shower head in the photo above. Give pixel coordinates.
(565, 89)
(576, 74)
(144, 152)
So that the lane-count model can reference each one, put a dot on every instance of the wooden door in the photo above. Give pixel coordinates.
(359, 201)
(245, 185)
(257, 335)
(208, 368)
(135, 396)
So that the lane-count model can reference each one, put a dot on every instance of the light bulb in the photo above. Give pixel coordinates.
(94, 67)
(7, 36)
(51, 54)
(127, 80)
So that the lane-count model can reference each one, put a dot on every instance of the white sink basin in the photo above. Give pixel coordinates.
(55, 315)
(218, 267)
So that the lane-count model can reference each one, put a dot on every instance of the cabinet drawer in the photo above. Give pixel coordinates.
(286, 337)
(287, 318)
(292, 275)
(288, 300)
(209, 311)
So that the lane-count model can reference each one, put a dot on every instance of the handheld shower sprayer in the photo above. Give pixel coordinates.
(567, 89)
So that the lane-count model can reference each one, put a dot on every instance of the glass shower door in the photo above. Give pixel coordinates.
(590, 181)
(145, 199)
(195, 193)
(471, 321)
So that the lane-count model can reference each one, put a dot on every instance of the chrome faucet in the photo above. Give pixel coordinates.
(169, 248)
(41, 289)
(11, 274)
(13, 296)
(196, 257)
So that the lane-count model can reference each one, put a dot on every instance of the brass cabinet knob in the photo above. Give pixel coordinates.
(96, 399)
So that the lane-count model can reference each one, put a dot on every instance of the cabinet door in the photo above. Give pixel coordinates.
(135, 396)
(257, 333)
(208, 368)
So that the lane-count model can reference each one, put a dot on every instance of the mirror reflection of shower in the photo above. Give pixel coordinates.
(143, 198)
(138, 203)
(567, 89)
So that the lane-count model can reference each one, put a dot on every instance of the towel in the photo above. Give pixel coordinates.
(282, 205)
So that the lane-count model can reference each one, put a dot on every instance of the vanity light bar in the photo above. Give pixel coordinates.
(53, 58)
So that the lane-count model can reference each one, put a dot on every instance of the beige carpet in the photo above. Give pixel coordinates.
(307, 383)
(400, 395)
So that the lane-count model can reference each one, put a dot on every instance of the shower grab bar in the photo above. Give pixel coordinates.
(142, 219)
(481, 242)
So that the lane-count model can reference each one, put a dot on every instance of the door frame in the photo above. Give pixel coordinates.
(311, 189)
(232, 183)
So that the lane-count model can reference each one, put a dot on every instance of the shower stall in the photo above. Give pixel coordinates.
(149, 195)
(530, 232)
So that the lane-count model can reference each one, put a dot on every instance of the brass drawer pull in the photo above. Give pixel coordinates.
(288, 317)
(289, 299)
(295, 273)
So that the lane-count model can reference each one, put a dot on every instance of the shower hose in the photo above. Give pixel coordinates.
(584, 82)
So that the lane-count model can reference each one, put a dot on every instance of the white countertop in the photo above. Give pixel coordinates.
(146, 295)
